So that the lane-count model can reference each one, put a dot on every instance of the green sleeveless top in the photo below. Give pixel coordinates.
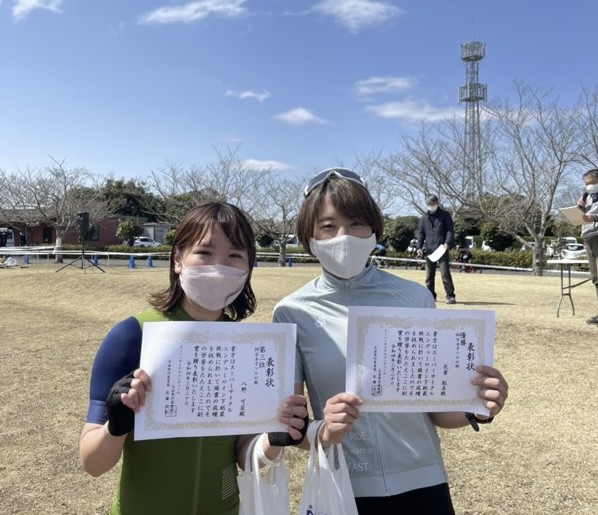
(191, 476)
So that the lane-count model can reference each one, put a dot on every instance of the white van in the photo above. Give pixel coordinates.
(7, 237)
(470, 242)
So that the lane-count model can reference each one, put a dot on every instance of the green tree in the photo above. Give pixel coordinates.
(400, 232)
(498, 239)
(127, 230)
(130, 198)
(169, 237)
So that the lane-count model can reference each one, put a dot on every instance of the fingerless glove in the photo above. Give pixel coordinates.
(121, 419)
(283, 439)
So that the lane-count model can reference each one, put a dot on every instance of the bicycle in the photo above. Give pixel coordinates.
(379, 262)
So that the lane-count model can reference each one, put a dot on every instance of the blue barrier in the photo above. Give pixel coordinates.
(131, 261)
(95, 260)
(289, 261)
(150, 262)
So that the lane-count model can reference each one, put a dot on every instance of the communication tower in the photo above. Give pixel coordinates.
(472, 93)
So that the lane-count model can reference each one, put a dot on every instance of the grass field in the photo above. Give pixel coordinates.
(538, 457)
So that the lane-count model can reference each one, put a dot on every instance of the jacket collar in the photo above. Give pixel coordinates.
(332, 282)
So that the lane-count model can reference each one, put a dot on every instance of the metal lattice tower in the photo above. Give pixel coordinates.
(472, 93)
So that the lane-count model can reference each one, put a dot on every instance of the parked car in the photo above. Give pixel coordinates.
(558, 244)
(144, 241)
(7, 237)
(574, 251)
(292, 241)
(470, 242)
(487, 246)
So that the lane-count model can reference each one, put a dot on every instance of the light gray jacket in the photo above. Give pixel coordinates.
(386, 453)
(590, 230)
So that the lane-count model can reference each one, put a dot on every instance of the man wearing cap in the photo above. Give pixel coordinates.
(435, 230)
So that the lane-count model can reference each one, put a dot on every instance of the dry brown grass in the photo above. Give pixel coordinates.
(538, 457)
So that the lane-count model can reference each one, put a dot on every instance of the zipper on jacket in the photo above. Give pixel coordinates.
(380, 455)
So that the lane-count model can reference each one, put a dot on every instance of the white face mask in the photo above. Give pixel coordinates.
(433, 208)
(592, 188)
(212, 287)
(343, 256)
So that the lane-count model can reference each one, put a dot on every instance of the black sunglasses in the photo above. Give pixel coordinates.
(322, 176)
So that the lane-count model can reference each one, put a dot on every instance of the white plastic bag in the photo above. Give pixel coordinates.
(263, 494)
(327, 487)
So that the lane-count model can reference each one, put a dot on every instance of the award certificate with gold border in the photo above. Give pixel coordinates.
(215, 378)
(416, 359)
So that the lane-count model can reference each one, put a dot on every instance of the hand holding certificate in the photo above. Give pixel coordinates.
(214, 378)
(414, 360)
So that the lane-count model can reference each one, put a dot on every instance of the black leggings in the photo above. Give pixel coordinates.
(433, 500)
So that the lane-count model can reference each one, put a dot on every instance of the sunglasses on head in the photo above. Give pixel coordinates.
(322, 176)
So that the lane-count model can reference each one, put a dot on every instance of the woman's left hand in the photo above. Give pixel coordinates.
(293, 414)
(494, 390)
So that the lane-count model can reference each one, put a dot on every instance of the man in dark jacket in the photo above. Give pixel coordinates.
(436, 230)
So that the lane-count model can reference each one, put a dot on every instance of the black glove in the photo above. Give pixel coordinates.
(282, 438)
(120, 418)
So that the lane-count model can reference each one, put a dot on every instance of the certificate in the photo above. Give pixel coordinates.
(214, 378)
(416, 359)
(437, 254)
(573, 214)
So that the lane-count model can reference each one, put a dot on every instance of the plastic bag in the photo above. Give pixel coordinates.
(263, 494)
(327, 487)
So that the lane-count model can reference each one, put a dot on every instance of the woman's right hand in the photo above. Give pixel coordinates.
(126, 397)
(340, 413)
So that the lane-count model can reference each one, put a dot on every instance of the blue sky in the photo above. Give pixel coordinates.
(124, 87)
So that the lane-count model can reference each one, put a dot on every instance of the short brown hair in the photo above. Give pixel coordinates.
(350, 198)
(192, 228)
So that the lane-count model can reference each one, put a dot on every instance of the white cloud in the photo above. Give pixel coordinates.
(358, 14)
(22, 8)
(387, 84)
(300, 116)
(194, 11)
(413, 110)
(244, 95)
(266, 166)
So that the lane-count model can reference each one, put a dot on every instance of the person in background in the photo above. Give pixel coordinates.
(210, 280)
(394, 459)
(378, 256)
(436, 229)
(588, 203)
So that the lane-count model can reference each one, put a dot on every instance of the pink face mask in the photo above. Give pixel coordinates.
(212, 287)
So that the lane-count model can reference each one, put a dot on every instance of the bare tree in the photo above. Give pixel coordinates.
(587, 121)
(370, 167)
(430, 162)
(528, 152)
(228, 179)
(537, 140)
(277, 201)
(52, 196)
